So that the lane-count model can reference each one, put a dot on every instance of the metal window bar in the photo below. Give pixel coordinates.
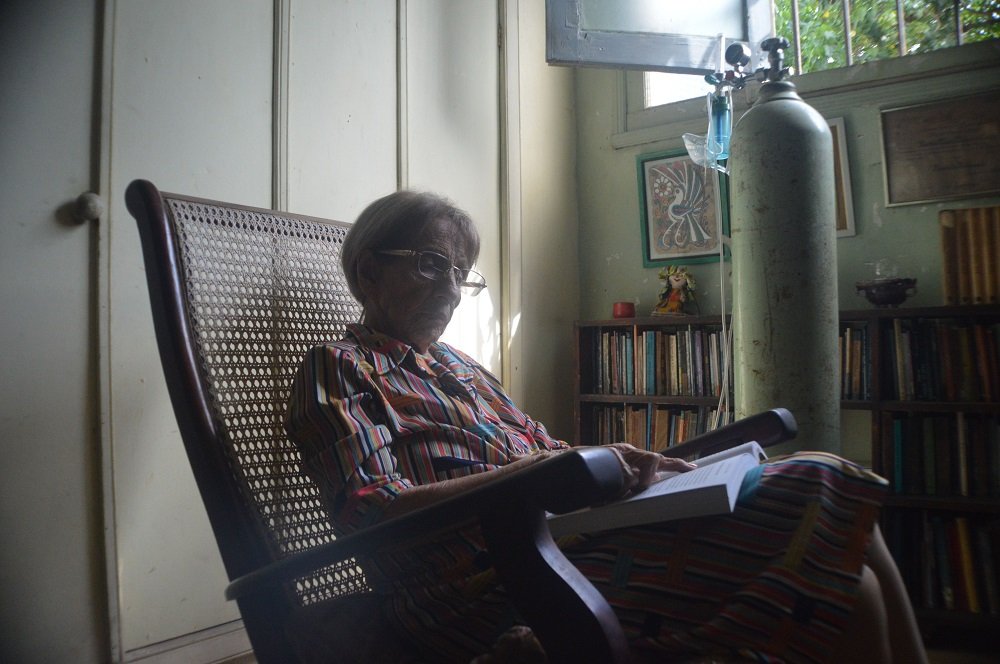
(797, 36)
(958, 23)
(848, 46)
(845, 6)
(901, 26)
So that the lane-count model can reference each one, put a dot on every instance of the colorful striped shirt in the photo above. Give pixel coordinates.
(372, 417)
(773, 582)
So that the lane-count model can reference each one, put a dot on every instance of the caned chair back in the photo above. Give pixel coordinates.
(239, 295)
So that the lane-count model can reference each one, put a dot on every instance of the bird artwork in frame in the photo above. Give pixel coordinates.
(682, 209)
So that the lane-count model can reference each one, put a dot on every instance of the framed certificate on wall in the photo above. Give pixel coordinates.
(943, 150)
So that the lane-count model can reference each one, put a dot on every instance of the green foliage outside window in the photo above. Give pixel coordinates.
(929, 25)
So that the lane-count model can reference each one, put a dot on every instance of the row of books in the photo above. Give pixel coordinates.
(684, 362)
(855, 362)
(652, 427)
(970, 251)
(955, 454)
(947, 562)
(944, 360)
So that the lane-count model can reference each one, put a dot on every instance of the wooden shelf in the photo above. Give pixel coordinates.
(647, 399)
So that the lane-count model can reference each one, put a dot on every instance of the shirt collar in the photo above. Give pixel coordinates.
(387, 353)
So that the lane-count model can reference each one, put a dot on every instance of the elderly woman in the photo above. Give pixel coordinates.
(389, 419)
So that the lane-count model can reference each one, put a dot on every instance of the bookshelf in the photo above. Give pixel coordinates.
(655, 381)
(930, 378)
(927, 378)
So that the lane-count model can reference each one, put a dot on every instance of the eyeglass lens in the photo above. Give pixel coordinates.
(434, 266)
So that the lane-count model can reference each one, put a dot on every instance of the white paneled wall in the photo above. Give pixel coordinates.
(195, 96)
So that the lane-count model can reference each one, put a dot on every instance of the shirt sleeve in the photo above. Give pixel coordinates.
(336, 415)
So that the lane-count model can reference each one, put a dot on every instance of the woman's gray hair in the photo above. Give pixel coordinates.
(396, 221)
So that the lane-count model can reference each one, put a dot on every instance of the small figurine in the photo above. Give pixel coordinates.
(678, 289)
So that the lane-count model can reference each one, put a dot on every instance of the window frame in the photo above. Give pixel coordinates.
(668, 121)
(568, 44)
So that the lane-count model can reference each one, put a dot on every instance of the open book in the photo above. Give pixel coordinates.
(712, 488)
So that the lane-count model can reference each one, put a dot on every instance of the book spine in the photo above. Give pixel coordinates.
(897, 455)
(995, 249)
(988, 571)
(699, 363)
(920, 360)
(866, 363)
(899, 362)
(605, 363)
(993, 358)
(928, 560)
(962, 456)
(944, 445)
(979, 457)
(969, 571)
(944, 561)
(949, 261)
(661, 364)
(651, 363)
(846, 364)
(967, 368)
(993, 436)
(629, 341)
(964, 274)
(969, 220)
(674, 372)
(934, 360)
(856, 369)
(929, 444)
(988, 253)
(984, 370)
(908, 381)
(957, 568)
(946, 344)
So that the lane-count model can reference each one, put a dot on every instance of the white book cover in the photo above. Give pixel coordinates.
(711, 488)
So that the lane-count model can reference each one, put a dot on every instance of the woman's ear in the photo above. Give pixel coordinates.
(369, 273)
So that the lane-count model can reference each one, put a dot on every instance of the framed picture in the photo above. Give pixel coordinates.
(842, 177)
(683, 210)
(942, 150)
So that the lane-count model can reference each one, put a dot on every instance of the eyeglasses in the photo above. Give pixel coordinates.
(434, 266)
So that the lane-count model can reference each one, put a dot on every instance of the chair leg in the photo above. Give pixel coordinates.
(567, 613)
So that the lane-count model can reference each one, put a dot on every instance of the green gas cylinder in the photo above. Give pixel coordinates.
(784, 255)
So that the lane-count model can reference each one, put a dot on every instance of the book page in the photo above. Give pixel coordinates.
(713, 473)
(752, 448)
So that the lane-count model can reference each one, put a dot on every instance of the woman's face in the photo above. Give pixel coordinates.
(403, 303)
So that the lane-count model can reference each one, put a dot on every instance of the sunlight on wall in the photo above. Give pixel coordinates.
(515, 323)
(475, 330)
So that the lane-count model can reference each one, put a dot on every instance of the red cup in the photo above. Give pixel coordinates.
(624, 310)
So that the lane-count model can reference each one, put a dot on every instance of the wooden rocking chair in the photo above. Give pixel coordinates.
(238, 296)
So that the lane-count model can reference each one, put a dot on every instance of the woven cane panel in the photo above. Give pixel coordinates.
(263, 289)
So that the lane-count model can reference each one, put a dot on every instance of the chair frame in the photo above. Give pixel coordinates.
(566, 612)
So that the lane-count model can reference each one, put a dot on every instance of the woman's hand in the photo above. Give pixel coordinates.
(640, 467)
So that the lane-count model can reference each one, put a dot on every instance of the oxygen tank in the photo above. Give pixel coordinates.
(784, 256)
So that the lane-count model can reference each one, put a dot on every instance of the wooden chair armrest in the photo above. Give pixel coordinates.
(569, 616)
(768, 428)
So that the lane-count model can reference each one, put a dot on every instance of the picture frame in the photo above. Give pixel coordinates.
(682, 219)
(941, 150)
(842, 178)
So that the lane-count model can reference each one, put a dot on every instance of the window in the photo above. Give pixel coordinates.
(879, 29)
